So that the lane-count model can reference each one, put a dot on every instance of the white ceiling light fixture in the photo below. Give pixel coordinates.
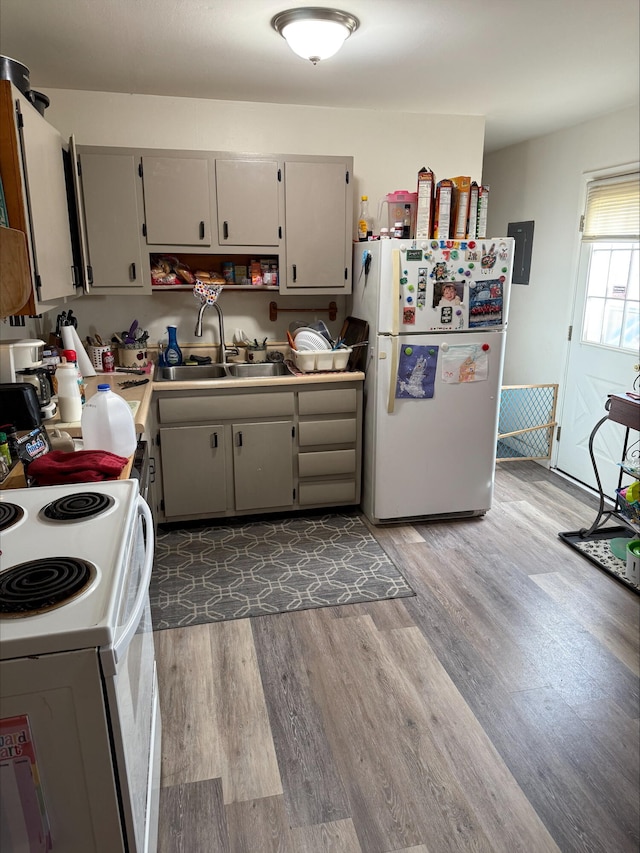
(315, 33)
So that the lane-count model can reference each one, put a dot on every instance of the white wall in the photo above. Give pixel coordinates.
(388, 151)
(543, 180)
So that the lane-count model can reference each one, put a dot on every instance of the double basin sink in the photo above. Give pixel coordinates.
(187, 373)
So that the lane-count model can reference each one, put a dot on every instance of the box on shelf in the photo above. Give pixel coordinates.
(309, 361)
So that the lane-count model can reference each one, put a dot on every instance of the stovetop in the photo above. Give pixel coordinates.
(41, 549)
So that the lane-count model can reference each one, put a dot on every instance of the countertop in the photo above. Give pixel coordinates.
(139, 397)
(310, 379)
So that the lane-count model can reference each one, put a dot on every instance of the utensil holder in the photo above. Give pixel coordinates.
(95, 354)
(256, 354)
(133, 355)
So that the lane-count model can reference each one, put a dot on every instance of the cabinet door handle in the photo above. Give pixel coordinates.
(239, 439)
(132, 272)
(225, 230)
(214, 440)
(201, 230)
(90, 274)
(295, 273)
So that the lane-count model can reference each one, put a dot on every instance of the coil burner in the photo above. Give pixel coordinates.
(77, 507)
(10, 514)
(41, 585)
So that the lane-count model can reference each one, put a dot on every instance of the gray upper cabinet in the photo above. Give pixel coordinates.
(298, 209)
(113, 221)
(318, 213)
(41, 188)
(247, 197)
(177, 200)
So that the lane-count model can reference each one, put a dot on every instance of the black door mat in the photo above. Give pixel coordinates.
(597, 550)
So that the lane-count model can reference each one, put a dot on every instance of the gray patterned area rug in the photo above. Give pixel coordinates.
(209, 572)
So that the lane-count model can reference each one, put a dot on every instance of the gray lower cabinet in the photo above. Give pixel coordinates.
(194, 464)
(263, 465)
(272, 450)
(329, 429)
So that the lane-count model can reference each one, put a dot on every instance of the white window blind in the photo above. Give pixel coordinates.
(613, 209)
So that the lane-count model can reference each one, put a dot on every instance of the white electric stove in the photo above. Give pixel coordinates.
(59, 541)
(77, 670)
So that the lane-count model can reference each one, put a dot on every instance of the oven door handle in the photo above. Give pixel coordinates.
(120, 648)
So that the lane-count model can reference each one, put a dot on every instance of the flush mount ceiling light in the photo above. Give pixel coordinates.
(315, 33)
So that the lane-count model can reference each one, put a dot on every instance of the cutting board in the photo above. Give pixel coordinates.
(355, 331)
(15, 276)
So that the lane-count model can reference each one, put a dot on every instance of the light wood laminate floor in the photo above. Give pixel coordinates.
(497, 710)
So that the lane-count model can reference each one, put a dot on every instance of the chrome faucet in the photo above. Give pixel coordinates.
(224, 350)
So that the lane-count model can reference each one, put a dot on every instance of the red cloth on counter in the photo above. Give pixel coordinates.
(83, 466)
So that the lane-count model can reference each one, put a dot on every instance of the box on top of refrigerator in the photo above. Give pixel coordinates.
(424, 215)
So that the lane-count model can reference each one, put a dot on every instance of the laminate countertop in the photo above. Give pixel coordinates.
(235, 382)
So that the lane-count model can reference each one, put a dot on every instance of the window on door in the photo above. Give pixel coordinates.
(611, 237)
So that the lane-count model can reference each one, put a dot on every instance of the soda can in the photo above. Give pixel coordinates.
(108, 362)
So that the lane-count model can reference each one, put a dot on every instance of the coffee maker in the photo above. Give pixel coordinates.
(21, 361)
(40, 378)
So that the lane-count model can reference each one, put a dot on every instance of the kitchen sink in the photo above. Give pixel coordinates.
(263, 369)
(188, 373)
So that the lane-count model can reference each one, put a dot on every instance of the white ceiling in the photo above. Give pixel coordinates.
(529, 66)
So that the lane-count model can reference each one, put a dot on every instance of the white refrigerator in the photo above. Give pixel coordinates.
(437, 314)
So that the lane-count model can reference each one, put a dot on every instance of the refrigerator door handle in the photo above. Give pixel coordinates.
(393, 374)
(395, 293)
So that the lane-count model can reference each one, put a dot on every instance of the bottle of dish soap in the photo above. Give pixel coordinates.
(172, 353)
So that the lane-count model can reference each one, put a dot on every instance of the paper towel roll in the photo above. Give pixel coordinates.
(70, 340)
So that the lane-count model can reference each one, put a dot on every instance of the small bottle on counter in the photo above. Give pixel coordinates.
(72, 357)
(108, 424)
(69, 399)
(4, 449)
(12, 439)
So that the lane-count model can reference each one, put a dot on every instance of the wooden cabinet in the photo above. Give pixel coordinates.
(248, 202)
(319, 209)
(113, 222)
(177, 200)
(33, 175)
(269, 449)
